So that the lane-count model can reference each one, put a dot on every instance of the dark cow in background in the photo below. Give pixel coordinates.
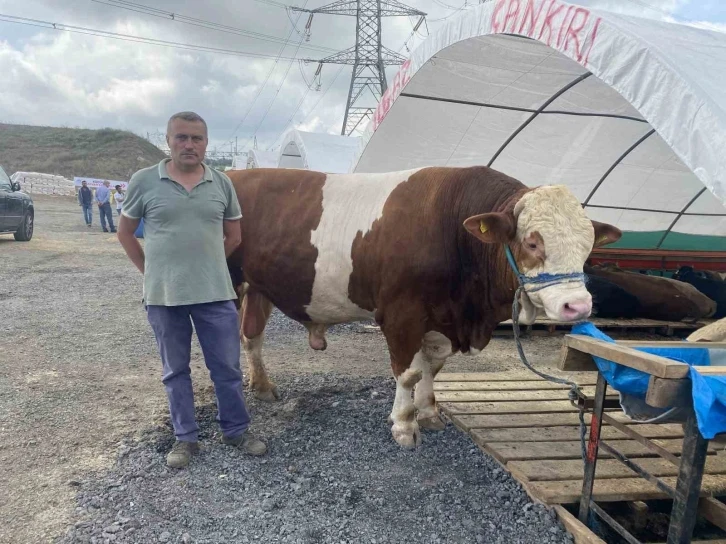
(658, 298)
(713, 289)
(610, 300)
(420, 251)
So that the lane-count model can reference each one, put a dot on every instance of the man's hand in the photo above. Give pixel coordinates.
(232, 236)
(126, 229)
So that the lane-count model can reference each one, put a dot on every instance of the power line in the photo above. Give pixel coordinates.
(137, 39)
(193, 21)
(340, 70)
(269, 74)
(276, 4)
(269, 106)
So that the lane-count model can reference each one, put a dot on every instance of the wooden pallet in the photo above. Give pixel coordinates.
(530, 427)
(548, 326)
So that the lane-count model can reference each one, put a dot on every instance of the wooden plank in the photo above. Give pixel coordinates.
(713, 509)
(567, 433)
(670, 344)
(496, 421)
(480, 421)
(522, 375)
(620, 323)
(646, 362)
(500, 396)
(572, 469)
(579, 531)
(523, 451)
(507, 407)
(572, 359)
(711, 370)
(664, 393)
(617, 489)
(507, 386)
(717, 541)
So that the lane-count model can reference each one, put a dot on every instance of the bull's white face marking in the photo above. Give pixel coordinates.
(351, 203)
(568, 234)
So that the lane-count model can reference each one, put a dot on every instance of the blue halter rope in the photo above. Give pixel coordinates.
(540, 281)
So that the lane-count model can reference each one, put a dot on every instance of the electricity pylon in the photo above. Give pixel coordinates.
(369, 56)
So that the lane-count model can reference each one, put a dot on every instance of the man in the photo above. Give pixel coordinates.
(103, 199)
(191, 224)
(119, 198)
(85, 201)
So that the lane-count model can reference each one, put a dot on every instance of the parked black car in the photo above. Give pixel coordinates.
(17, 212)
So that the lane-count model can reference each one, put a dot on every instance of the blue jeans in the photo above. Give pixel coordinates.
(106, 214)
(217, 326)
(87, 213)
(118, 211)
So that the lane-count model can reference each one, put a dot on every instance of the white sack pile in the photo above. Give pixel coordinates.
(44, 184)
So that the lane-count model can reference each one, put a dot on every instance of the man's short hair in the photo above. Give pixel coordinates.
(186, 116)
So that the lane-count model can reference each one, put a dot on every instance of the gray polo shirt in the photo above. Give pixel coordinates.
(183, 236)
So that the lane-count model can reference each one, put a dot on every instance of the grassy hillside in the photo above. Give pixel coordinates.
(105, 153)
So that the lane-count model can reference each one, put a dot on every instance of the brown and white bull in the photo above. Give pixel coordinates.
(421, 251)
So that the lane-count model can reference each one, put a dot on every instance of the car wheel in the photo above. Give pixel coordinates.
(25, 232)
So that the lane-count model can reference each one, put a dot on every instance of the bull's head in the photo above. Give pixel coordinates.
(548, 233)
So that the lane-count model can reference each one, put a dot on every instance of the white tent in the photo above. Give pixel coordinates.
(260, 159)
(630, 113)
(330, 153)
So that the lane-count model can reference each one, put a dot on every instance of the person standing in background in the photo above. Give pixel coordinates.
(85, 201)
(103, 199)
(119, 198)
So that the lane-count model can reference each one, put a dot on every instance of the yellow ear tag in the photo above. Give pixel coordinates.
(602, 239)
(483, 227)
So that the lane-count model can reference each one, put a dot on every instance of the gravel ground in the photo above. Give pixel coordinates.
(84, 424)
(333, 474)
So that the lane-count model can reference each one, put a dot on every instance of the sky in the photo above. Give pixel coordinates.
(58, 78)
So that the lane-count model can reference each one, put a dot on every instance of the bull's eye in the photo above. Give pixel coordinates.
(532, 246)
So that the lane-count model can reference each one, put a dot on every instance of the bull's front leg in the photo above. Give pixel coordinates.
(435, 349)
(255, 311)
(404, 333)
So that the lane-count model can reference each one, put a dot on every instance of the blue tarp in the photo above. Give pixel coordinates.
(709, 392)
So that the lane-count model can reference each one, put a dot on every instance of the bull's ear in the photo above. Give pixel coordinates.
(605, 234)
(492, 228)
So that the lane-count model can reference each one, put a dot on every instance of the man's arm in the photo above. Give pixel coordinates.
(126, 229)
(232, 236)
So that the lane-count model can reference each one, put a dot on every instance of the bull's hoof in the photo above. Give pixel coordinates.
(271, 395)
(408, 437)
(433, 423)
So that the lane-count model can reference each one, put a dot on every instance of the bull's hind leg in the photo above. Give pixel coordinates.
(435, 349)
(255, 312)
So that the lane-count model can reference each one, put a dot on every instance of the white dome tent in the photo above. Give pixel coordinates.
(329, 153)
(260, 159)
(629, 113)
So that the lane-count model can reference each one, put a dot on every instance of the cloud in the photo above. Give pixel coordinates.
(56, 78)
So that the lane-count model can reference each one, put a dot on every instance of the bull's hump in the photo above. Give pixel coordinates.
(351, 204)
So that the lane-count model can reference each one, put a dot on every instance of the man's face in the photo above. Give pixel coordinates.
(188, 142)
(83, 184)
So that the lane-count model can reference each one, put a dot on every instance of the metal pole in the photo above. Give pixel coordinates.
(592, 448)
(688, 486)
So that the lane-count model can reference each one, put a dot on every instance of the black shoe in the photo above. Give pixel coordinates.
(105, 230)
(113, 230)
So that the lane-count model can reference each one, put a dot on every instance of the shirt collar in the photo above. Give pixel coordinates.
(164, 174)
